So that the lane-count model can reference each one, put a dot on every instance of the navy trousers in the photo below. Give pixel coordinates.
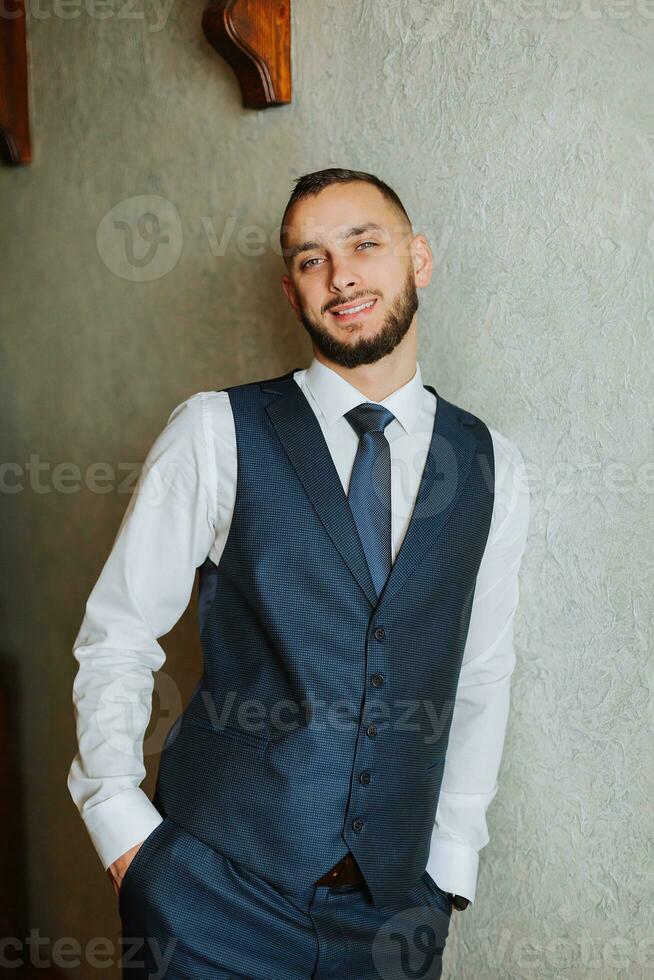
(190, 913)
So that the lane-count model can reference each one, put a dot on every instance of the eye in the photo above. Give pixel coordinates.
(308, 263)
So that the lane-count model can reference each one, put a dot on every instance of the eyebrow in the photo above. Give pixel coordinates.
(350, 233)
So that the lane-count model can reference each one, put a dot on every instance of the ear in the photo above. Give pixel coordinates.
(422, 259)
(291, 295)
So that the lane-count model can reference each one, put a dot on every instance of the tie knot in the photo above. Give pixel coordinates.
(369, 417)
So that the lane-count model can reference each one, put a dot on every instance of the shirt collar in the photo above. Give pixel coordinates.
(335, 396)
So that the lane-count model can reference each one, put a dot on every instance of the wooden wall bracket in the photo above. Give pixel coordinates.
(254, 37)
(15, 145)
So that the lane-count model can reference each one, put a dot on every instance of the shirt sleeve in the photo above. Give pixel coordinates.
(144, 587)
(480, 713)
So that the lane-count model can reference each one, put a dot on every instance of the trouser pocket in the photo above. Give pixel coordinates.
(139, 861)
(441, 897)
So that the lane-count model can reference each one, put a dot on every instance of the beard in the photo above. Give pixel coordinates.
(367, 350)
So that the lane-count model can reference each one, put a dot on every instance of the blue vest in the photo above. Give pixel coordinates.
(322, 717)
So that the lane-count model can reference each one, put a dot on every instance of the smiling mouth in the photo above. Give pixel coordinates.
(361, 309)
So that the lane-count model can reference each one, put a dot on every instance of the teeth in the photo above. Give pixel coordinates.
(355, 309)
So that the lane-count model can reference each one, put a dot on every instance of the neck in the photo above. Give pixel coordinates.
(379, 380)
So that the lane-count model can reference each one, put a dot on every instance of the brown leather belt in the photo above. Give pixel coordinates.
(345, 872)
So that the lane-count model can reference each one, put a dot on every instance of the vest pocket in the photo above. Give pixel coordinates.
(257, 740)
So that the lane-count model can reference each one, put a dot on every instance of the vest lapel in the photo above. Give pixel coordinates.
(304, 443)
(445, 472)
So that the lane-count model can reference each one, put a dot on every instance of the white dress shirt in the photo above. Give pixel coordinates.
(180, 513)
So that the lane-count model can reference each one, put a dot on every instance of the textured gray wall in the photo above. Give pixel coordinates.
(521, 137)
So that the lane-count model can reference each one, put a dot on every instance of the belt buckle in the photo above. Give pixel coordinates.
(349, 875)
(338, 875)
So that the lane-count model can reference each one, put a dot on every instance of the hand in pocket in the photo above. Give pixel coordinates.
(118, 869)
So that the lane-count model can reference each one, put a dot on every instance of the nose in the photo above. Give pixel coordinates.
(343, 277)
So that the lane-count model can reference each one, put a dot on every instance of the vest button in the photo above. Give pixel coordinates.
(371, 730)
(364, 778)
(377, 680)
(357, 824)
(380, 633)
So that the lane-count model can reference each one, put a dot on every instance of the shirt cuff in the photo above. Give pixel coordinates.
(454, 867)
(120, 822)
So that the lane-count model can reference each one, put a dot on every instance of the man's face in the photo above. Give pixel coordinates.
(348, 247)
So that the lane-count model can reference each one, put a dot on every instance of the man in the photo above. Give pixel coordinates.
(321, 801)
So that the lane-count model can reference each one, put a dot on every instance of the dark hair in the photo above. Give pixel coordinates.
(311, 184)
